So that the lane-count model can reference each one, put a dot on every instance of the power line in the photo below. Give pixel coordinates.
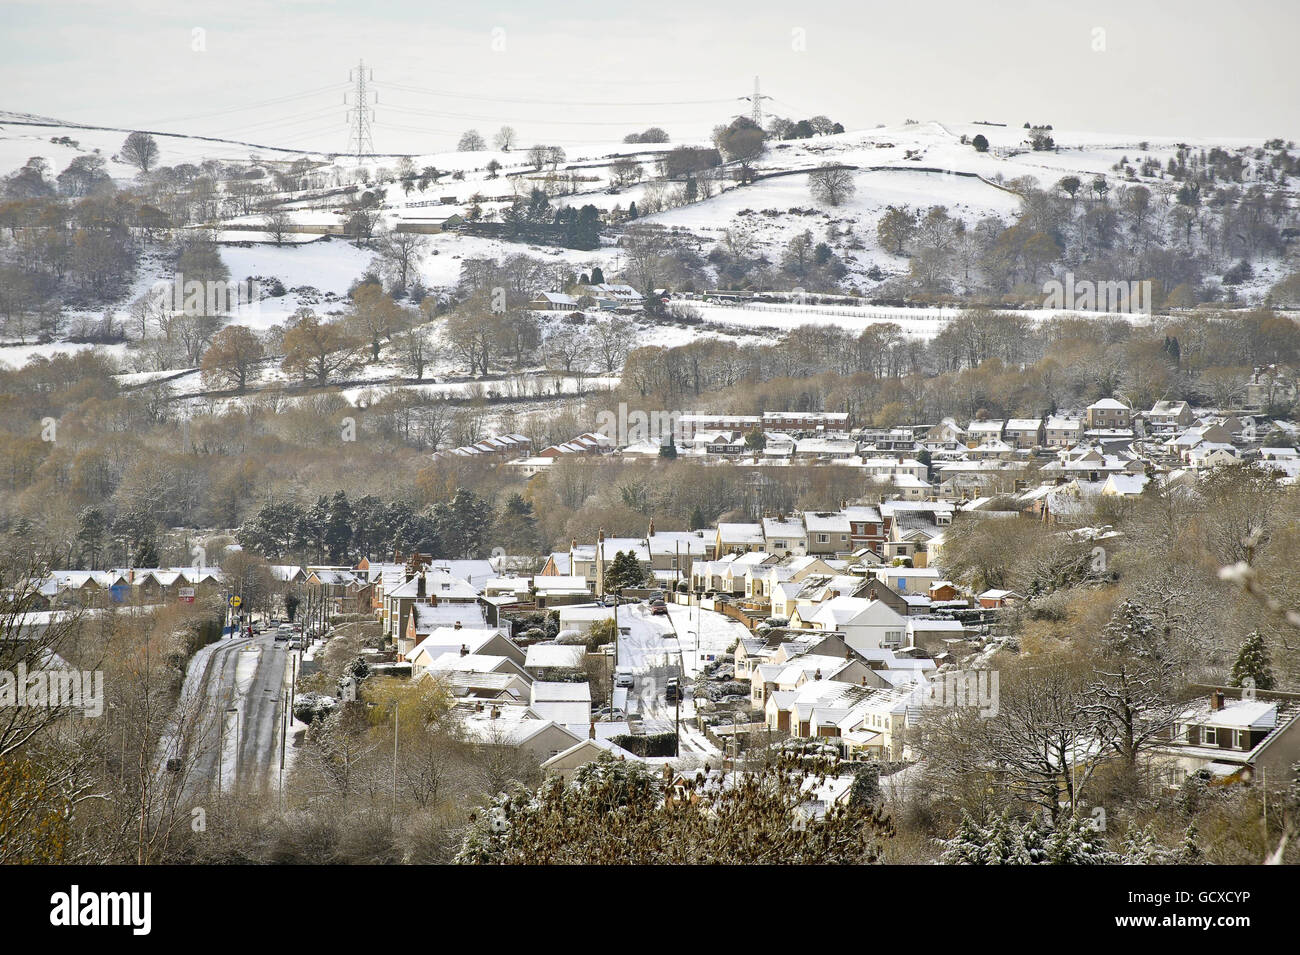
(552, 102)
(440, 114)
(274, 101)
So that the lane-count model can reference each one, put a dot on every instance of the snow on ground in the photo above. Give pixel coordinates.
(703, 634)
(15, 356)
(19, 142)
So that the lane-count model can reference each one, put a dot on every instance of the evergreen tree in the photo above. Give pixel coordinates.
(1075, 842)
(1190, 853)
(1130, 631)
(866, 789)
(697, 520)
(967, 846)
(624, 571)
(518, 526)
(338, 528)
(91, 526)
(668, 450)
(1139, 848)
(1253, 661)
(463, 524)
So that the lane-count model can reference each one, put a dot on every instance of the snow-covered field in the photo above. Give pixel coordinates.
(913, 164)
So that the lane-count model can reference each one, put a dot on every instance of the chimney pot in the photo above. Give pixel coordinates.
(464, 650)
(591, 733)
(1216, 700)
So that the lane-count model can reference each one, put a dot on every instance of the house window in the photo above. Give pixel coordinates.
(1210, 736)
(822, 538)
(1238, 739)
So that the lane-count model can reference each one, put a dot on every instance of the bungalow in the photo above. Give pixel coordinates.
(1233, 735)
(864, 623)
(554, 302)
(561, 702)
(565, 763)
(995, 599)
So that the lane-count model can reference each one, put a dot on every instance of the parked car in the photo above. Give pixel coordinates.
(609, 713)
(624, 678)
(658, 608)
(672, 689)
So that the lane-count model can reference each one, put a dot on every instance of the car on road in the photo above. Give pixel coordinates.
(623, 677)
(295, 645)
(658, 608)
(673, 690)
(281, 635)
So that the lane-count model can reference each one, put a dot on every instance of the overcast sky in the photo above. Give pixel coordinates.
(573, 71)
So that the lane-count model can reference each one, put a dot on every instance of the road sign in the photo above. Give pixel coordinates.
(236, 601)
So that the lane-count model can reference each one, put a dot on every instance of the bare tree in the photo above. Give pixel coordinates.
(505, 138)
(141, 151)
(831, 183)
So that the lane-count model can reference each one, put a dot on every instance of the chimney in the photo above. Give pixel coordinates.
(420, 586)
(651, 531)
(591, 733)
(864, 681)
(818, 674)
(1216, 700)
(464, 650)
(496, 712)
(457, 627)
(573, 543)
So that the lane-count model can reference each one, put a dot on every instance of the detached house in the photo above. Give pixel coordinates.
(1109, 414)
(1024, 433)
(1234, 737)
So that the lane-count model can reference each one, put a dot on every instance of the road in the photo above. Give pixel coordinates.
(231, 712)
(651, 648)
